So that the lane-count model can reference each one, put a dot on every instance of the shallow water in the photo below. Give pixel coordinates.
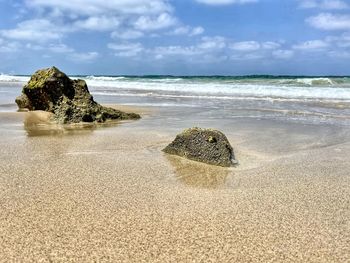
(291, 99)
(108, 192)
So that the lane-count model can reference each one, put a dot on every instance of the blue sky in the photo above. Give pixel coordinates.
(178, 37)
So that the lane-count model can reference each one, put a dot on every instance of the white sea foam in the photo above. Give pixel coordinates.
(100, 80)
(315, 81)
(103, 78)
(222, 97)
(223, 88)
(10, 78)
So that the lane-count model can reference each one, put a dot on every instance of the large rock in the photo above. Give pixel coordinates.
(203, 145)
(69, 100)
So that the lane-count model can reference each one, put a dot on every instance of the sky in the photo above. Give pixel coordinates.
(176, 37)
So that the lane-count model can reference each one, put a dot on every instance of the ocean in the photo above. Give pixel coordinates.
(287, 98)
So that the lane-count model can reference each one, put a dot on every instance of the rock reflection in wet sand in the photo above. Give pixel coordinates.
(37, 123)
(196, 174)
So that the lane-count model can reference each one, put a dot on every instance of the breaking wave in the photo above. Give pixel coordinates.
(11, 78)
(284, 87)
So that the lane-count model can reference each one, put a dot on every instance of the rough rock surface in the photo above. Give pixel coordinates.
(70, 100)
(203, 145)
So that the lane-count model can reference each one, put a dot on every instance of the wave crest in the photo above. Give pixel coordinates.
(13, 78)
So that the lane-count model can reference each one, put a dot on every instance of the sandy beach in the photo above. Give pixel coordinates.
(109, 194)
(175, 131)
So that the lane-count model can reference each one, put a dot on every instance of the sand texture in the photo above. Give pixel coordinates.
(107, 193)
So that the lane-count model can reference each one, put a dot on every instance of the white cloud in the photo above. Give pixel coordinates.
(248, 46)
(247, 56)
(225, 2)
(214, 43)
(283, 54)
(160, 52)
(327, 21)
(340, 54)
(8, 47)
(60, 48)
(147, 23)
(126, 49)
(334, 4)
(122, 19)
(324, 4)
(124, 46)
(245, 46)
(129, 53)
(308, 4)
(270, 45)
(98, 23)
(342, 41)
(196, 31)
(183, 30)
(35, 30)
(312, 45)
(187, 30)
(35, 47)
(127, 34)
(69, 52)
(207, 49)
(332, 46)
(83, 57)
(97, 7)
(221, 49)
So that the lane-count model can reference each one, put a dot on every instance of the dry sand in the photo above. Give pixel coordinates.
(108, 194)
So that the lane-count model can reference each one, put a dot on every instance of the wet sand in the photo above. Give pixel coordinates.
(108, 194)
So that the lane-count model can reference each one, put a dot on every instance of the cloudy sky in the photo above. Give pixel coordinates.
(179, 37)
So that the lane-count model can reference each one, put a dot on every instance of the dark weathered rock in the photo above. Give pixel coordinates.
(23, 102)
(69, 100)
(203, 145)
